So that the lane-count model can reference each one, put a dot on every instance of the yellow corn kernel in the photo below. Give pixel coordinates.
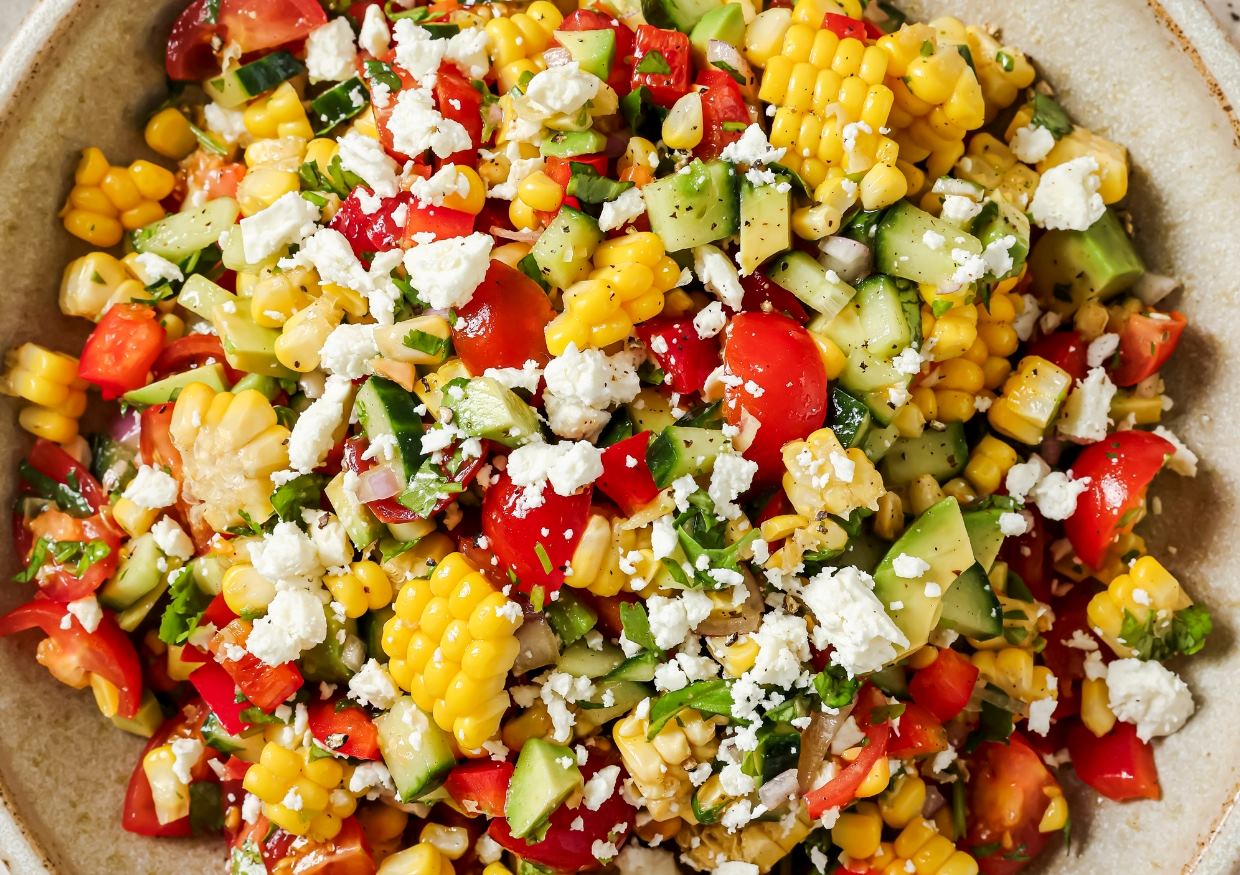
(1012, 669)
(364, 588)
(245, 591)
(474, 198)
(48, 424)
(280, 114)
(1096, 711)
(303, 335)
(96, 229)
(1055, 817)
(263, 186)
(168, 792)
(540, 192)
(1030, 399)
(91, 199)
(451, 841)
(989, 463)
(169, 134)
(421, 859)
(142, 215)
(882, 186)
(153, 182)
(876, 780)
(92, 167)
(858, 831)
(133, 519)
(889, 521)
(833, 358)
(903, 801)
(682, 129)
(1147, 592)
(923, 493)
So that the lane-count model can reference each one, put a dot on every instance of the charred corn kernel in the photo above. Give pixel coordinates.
(658, 765)
(304, 333)
(475, 195)
(517, 42)
(630, 277)
(1148, 592)
(889, 521)
(95, 228)
(246, 591)
(1030, 399)
(989, 463)
(300, 795)
(1012, 669)
(168, 792)
(92, 167)
(903, 801)
(280, 114)
(421, 859)
(384, 826)
(133, 519)
(364, 588)
(230, 444)
(682, 128)
(169, 134)
(858, 831)
(608, 557)
(152, 181)
(540, 192)
(960, 489)
(460, 647)
(1096, 711)
(809, 460)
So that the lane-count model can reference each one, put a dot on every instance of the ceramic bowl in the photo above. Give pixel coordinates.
(1159, 78)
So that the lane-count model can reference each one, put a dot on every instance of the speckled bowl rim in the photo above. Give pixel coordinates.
(1188, 22)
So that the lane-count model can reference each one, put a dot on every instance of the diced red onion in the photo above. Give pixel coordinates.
(125, 427)
(538, 643)
(1153, 287)
(747, 619)
(934, 801)
(1051, 450)
(850, 259)
(518, 236)
(378, 483)
(557, 56)
(778, 790)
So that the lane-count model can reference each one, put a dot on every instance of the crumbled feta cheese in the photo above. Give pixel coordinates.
(518, 169)
(416, 125)
(154, 268)
(1023, 476)
(294, 623)
(525, 377)
(1027, 319)
(582, 385)
(1032, 143)
(286, 553)
(672, 619)
(636, 859)
(1067, 196)
(186, 753)
(330, 53)
(1183, 461)
(313, 434)
(372, 777)
(228, 123)
(710, 320)
(848, 735)
(998, 256)
(719, 275)
(909, 567)
(171, 539)
(562, 90)
(364, 156)
(752, 148)
(330, 254)
(1148, 695)
(446, 182)
(730, 478)
(600, 787)
(1013, 525)
(1101, 348)
(87, 611)
(624, 209)
(1086, 412)
(852, 619)
(557, 692)
(375, 37)
(289, 219)
(447, 272)
(783, 647)
(736, 867)
(373, 686)
(933, 240)
(329, 537)
(1040, 712)
(152, 488)
(970, 267)
(567, 466)
(663, 538)
(908, 361)
(348, 351)
(959, 209)
(1056, 494)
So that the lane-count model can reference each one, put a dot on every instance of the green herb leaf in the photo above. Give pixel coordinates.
(708, 697)
(994, 724)
(1185, 634)
(967, 55)
(543, 559)
(38, 555)
(1005, 61)
(417, 15)
(300, 493)
(68, 496)
(835, 687)
(730, 70)
(259, 717)
(1189, 628)
(1047, 113)
(423, 341)
(643, 115)
(184, 610)
(382, 72)
(538, 597)
(886, 713)
(588, 185)
(207, 140)
(636, 625)
(529, 267)
(211, 13)
(653, 62)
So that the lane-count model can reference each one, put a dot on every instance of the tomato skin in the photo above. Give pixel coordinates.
(515, 529)
(762, 294)
(630, 487)
(346, 854)
(1145, 344)
(921, 733)
(842, 789)
(266, 686)
(480, 786)
(59, 582)
(139, 811)
(1118, 765)
(1007, 799)
(120, 351)
(845, 27)
(687, 359)
(502, 325)
(327, 718)
(189, 55)
(389, 510)
(1120, 469)
(945, 686)
(49, 459)
(1067, 349)
(441, 222)
(722, 103)
(373, 232)
(777, 356)
(107, 651)
(665, 88)
(190, 352)
(460, 102)
(252, 24)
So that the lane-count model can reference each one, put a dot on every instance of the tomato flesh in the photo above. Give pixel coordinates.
(724, 113)
(1146, 341)
(665, 88)
(121, 350)
(1007, 788)
(267, 686)
(945, 685)
(626, 477)
(1118, 765)
(519, 533)
(330, 719)
(480, 786)
(502, 325)
(685, 358)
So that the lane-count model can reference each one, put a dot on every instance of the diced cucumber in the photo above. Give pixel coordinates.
(650, 411)
(371, 629)
(250, 80)
(696, 206)
(679, 15)
(266, 386)
(583, 661)
(545, 776)
(777, 751)
(562, 252)
(1072, 267)
(137, 574)
(901, 248)
(357, 519)
(246, 747)
(167, 389)
(816, 287)
(248, 346)
(570, 618)
(766, 211)
(938, 537)
(679, 451)
(327, 661)
(892, 680)
(338, 104)
(638, 668)
(114, 464)
(878, 442)
(850, 418)
(622, 696)
(133, 616)
(488, 409)
(999, 219)
(570, 144)
(985, 534)
(417, 752)
(970, 606)
(208, 572)
(201, 296)
(180, 235)
(388, 414)
(941, 454)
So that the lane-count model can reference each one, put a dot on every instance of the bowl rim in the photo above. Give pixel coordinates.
(1189, 23)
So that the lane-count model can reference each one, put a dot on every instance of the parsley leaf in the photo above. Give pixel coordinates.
(1186, 633)
(636, 625)
(68, 495)
(730, 70)
(38, 555)
(835, 687)
(291, 498)
(643, 115)
(529, 267)
(184, 610)
(423, 341)
(591, 187)
(653, 62)
(427, 488)
(708, 697)
(1047, 113)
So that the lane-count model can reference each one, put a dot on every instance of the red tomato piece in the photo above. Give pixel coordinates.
(665, 88)
(845, 27)
(155, 438)
(49, 459)
(222, 181)
(139, 812)
(917, 733)
(60, 581)
(331, 720)
(219, 692)
(622, 64)
(1118, 765)
(723, 109)
(459, 101)
(1146, 341)
(371, 232)
(945, 685)
(765, 295)
(1067, 349)
(1028, 556)
(1120, 469)
(565, 849)
(686, 358)
(1008, 786)
(480, 786)
(516, 531)
(442, 222)
(502, 325)
(626, 477)
(190, 352)
(72, 653)
(189, 55)
(120, 351)
(265, 24)
(842, 789)
(783, 386)
(266, 686)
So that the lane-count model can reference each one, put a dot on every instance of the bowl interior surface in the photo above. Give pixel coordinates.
(95, 71)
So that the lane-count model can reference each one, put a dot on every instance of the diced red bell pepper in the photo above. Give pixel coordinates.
(686, 358)
(267, 686)
(344, 728)
(371, 232)
(845, 27)
(945, 685)
(724, 112)
(219, 691)
(626, 477)
(120, 351)
(1118, 765)
(480, 786)
(665, 88)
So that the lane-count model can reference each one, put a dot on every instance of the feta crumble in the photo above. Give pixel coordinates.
(1148, 695)
(1067, 196)
(852, 619)
(447, 272)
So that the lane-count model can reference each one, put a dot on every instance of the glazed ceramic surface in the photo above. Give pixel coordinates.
(85, 73)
